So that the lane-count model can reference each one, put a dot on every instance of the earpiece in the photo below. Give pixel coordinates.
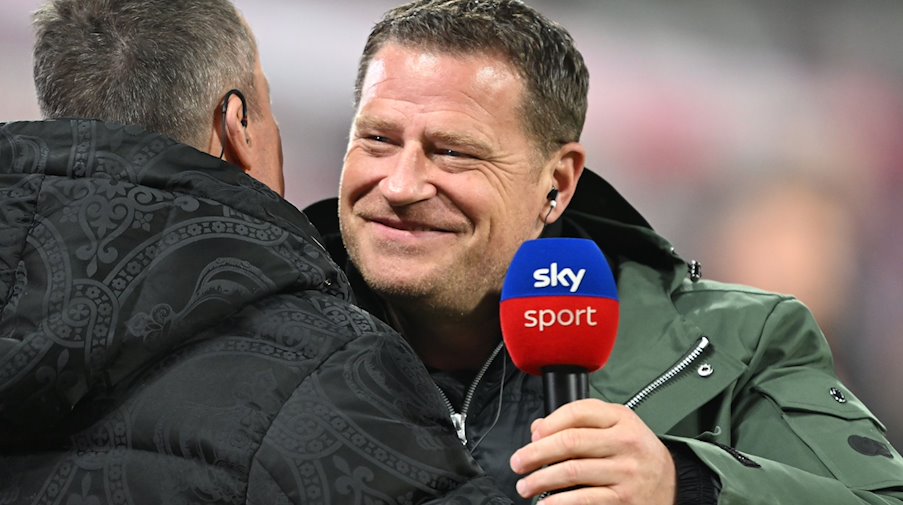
(244, 114)
(552, 197)
(244, 105)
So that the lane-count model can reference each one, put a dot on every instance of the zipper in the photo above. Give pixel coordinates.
(662, 379)
(458, 419)
(666, 377)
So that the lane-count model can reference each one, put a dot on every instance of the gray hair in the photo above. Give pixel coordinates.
(163, 65)
(540, 50)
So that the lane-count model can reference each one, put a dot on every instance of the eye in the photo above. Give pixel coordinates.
(452, 153)
(376, 145)
(375, 141)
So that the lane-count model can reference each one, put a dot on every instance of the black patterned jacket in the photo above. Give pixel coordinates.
(172, 332)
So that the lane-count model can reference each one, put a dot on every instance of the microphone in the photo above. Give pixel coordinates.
(559, 314)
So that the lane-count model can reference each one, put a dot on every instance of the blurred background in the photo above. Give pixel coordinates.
(764, 139)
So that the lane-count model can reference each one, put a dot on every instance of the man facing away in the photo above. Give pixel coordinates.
(465, 143)
(171, 331)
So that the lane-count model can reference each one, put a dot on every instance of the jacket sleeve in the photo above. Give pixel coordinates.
(798, 434)
(367, 426)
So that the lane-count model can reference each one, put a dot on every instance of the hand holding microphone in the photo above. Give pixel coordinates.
(559, 315)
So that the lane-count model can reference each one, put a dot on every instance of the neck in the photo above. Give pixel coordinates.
(449, 342)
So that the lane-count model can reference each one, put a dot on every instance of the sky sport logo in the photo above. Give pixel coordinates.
(548, 318)
(552, 277)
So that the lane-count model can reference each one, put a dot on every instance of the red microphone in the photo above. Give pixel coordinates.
(559, 314)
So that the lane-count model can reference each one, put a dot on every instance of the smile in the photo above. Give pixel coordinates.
(406, 226)
(400, 232)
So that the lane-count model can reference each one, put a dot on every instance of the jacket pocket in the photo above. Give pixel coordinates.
(837, 427)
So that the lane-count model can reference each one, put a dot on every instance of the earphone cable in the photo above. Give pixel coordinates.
(498, 411)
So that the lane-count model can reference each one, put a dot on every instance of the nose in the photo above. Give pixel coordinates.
(408, 180)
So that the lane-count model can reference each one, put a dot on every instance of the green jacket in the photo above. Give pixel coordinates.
(741, 377)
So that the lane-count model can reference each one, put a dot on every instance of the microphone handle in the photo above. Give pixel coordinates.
(563, 384)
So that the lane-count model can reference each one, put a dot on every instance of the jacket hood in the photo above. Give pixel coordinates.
(117, 246)
(599, 212)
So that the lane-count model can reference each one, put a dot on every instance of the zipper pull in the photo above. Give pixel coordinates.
(458, 422)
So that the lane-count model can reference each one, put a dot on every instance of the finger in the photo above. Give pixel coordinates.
(580, 496)
(534, 423)
(588, 413)
(568, 444)
(573, 473)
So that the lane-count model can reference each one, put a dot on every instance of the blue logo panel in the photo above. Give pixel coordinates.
(559, 267)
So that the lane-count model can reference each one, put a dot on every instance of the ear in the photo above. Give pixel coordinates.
(566, 167)
(238, 146)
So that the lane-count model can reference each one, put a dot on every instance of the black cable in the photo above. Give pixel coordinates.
(244, 115)
(498, 411)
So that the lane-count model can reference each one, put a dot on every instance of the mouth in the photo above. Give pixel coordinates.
(407, 233)
(407, 225)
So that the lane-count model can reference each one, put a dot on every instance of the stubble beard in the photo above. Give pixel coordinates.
(448, 294)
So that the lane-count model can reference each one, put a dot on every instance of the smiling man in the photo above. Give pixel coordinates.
(442, 183)
(464, 144)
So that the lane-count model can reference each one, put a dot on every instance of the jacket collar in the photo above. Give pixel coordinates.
(647, 271)
(653, 336)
